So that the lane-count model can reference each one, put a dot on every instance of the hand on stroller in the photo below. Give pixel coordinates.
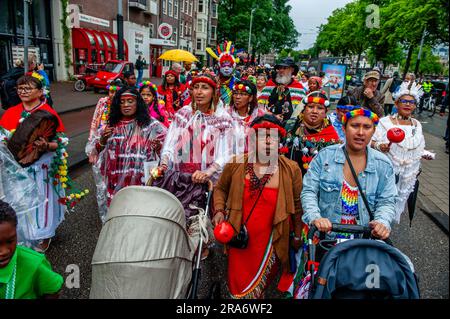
(323, 224)
(379, 230)
(200, 177)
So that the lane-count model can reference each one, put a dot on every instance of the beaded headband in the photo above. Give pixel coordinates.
(175, 74)
(360, 112)
(316, 99)
(242, 87)
(348, 107)
(269, 125)
(112, 87)
(149, 84)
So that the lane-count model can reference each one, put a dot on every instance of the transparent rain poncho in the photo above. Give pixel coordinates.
(129, 151)
(18, 189)
(198, 141)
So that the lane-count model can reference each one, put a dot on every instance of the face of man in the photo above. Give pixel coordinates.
(371, 84)
(261, 82)
(226, 69)
(131, 81)
(340, 113)
(187, 66)
(358, 133)
(284, 75)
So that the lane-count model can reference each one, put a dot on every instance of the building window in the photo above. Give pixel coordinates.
(182, 6)
(164, 6)
(175, 8)
(151, 29)
(200, 6)
(191, 4)
(170, 7)
(175, 34)
(199, 45)
(213, 32)
(182, 29)
(214, 10)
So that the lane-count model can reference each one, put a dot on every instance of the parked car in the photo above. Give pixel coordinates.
(113, 70)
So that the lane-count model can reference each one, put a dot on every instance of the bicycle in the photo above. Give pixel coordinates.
(429, 104)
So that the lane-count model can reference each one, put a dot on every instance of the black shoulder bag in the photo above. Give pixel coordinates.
(363, 195)
(241, 239)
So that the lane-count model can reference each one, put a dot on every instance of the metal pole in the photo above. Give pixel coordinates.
(250, 32)
(120, 30)
(420, 51)
(25, 34)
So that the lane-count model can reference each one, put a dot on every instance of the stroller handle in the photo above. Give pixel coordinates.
(341, 228)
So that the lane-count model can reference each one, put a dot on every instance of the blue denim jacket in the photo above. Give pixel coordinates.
(322, 186)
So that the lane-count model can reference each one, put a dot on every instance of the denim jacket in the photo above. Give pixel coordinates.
(322, 186)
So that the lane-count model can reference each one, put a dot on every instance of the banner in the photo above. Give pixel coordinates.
(334, 79)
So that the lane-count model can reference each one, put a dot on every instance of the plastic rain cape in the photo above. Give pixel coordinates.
(19, 190)
(121, 163)
(197, 141)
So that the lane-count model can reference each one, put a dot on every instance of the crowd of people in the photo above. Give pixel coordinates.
(278, 159)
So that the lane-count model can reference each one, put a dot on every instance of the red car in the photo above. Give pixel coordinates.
(113, 70)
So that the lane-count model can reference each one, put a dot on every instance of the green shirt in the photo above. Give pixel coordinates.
(34, 275)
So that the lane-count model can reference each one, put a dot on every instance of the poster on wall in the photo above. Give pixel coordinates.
(139, 43)
(334, 79)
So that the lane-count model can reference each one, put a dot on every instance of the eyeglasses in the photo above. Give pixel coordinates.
(25, 89)
(411, 102)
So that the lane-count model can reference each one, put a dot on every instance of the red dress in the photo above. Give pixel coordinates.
(11, 117)
(249, 268)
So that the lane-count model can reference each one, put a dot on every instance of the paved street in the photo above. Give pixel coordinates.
(424, 243)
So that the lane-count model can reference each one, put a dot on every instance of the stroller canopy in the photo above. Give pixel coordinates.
(143, 250)
(362, 265)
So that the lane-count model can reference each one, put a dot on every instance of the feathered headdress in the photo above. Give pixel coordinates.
(225, 52)
(409, 88)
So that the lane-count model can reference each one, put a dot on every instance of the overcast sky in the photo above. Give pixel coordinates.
(310, 14)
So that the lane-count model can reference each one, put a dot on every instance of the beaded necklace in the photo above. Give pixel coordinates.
(11, 285)
(256, 184)
(25, 114)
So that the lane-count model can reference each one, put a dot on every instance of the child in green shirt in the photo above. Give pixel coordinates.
(24, 273)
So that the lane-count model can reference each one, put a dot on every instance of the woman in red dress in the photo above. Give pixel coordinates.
(171, 91)
(260, 190)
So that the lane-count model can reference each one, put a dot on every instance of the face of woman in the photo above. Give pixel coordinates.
(406, 104)
(203, 94)
(170, 79)
(241, 99)
(314, 114)
(29, 93)
(340, 113)
(358, 132)
(128, 106)
(111, 94)
(260, 82)
(8, 242)
(313, 85)
(304, 78)
(147, 96)
(267, 142)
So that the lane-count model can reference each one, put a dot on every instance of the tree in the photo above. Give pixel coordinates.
(429, 63)
(267, 36)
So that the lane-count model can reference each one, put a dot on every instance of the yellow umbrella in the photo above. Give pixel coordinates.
(178, 56)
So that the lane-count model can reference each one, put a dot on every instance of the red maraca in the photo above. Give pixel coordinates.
(223, 232)
(395, 135)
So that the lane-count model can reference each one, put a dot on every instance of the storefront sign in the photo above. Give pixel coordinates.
(161, 42)
(94, 20)
(165, 31)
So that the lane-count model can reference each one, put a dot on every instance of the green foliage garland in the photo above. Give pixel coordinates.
(66, 37)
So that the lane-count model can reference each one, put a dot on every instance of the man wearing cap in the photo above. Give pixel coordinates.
(283, 93)
(368, 96)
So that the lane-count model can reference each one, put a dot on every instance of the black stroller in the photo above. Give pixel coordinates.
(358, 268)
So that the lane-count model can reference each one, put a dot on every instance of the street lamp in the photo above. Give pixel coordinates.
(250, 32)
(25, 34)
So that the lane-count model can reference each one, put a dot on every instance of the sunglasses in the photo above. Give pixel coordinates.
(411, 102)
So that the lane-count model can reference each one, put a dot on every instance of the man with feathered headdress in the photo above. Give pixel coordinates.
(225, 55)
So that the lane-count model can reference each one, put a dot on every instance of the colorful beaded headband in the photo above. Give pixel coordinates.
(242, 87)
(348, 107)
(360, 112)
(149, 84)
(316, 99)
(269, 125)
(112, 87)
(204, 79)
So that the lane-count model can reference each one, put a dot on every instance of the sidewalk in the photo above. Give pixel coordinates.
(434, 182)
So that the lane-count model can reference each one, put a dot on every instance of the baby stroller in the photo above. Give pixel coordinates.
(358, 268)
(144, 250)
